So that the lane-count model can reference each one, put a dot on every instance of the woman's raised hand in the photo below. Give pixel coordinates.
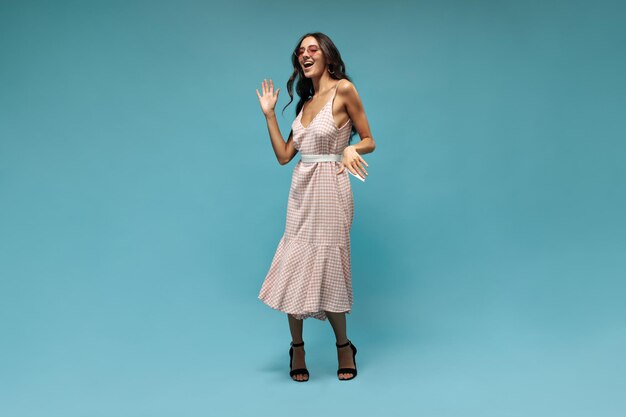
(269, 98)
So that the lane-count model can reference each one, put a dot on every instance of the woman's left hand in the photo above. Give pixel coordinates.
(353, 161)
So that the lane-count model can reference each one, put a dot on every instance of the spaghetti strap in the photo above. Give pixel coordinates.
(337, 85)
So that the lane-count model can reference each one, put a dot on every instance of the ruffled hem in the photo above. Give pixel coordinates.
(320, 315)
(306, 279)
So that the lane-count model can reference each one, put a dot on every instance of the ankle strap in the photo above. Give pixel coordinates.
(297, 344)
(344, 345)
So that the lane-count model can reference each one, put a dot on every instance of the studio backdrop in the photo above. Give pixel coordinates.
(141, 204)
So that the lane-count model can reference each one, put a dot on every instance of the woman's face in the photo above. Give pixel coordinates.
(310, 52)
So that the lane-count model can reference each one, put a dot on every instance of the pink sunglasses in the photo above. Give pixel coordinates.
(312, 49)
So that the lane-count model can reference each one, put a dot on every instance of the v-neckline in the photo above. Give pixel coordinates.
(322, 109)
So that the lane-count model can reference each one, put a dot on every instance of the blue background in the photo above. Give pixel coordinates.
(141, 204)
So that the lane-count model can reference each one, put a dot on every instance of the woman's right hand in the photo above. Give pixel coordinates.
(269, 98)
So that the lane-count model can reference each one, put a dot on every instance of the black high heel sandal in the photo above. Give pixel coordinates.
(299, 371)
(348, 370)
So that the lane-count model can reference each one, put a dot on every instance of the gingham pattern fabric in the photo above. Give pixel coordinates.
(311, 270)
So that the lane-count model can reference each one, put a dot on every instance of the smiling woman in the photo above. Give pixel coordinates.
(310, 274)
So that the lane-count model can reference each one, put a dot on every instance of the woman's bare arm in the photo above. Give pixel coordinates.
(284, 151)
(355, 110)
(352, 159)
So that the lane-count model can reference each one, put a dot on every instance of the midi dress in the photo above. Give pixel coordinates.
(310, 272)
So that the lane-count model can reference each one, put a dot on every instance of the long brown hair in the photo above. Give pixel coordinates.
(304, 85)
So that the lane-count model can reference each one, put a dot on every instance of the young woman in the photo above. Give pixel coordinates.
(310, 274)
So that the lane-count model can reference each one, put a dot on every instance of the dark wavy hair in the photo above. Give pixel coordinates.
(304, 86)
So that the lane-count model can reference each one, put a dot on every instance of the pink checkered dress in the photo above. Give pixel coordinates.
(311, 271)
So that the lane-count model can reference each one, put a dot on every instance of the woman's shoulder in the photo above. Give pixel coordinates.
(344, 82)
(344, 85)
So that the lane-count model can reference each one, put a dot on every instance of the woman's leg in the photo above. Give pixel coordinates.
(344, 354)
(295, 327)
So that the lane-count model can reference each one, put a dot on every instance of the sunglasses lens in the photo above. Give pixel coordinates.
(300, 52)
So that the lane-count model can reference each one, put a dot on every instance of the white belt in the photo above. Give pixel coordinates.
(321, 158)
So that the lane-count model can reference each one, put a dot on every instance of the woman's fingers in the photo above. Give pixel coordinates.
(353, 167)
(357, 166)
(349, 167)
(268, 88)
(269, 97)
(272, 92)
(355, 172)
(360, 163)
